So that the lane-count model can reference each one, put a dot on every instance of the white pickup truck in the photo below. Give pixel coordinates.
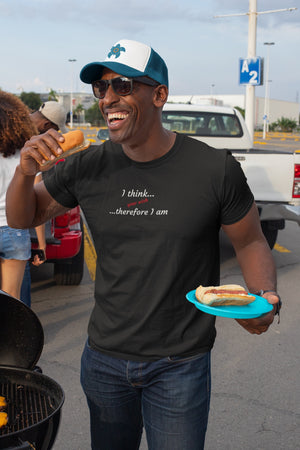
(274, 176)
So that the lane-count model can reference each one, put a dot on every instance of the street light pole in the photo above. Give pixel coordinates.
(266, 112)
(71, 94)
(268, 106)
(250, 89)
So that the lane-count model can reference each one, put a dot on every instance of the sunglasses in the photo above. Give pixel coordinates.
(120, 85)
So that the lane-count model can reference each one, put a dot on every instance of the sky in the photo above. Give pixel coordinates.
(202, 52)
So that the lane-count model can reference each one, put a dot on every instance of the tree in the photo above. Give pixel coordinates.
(285, 124)
(94, 116)
(78, 112)
(31, 99)
(53, 95)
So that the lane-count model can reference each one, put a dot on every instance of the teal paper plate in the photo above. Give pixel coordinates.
(258, 308)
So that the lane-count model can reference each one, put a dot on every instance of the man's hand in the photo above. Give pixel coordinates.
(261, 324)
(38, 150)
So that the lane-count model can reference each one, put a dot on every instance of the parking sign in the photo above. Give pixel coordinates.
(251, 71)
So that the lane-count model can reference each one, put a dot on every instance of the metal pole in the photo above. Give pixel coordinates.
(268, 106)
(250, 90)
(71, 94)
(266, 113)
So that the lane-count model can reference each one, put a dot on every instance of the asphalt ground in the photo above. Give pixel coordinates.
(277, 141)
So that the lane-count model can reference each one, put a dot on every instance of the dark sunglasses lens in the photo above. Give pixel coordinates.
(122, 86)
(99, 88)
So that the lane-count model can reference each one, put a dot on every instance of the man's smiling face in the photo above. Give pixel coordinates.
(128, 117)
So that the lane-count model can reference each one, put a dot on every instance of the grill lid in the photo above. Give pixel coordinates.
(21, 334)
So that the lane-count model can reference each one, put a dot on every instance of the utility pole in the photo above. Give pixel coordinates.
(267, 94)
(250, 89)
(71, 60)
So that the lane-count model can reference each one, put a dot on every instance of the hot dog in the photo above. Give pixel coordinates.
(74, 142)
(228, 294)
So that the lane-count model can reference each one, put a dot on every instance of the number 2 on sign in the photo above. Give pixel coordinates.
(253, 77)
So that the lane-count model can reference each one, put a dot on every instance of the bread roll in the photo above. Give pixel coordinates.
(74, 142)
(227, 294)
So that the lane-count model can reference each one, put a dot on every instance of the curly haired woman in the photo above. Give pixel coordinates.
(15, 129)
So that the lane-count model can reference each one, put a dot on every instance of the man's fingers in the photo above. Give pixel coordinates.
(39, 150)
(42, 148)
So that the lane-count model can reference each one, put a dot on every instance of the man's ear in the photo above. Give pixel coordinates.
(161, 93)
(45, 126)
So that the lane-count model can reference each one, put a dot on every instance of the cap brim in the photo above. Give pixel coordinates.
(93, 71)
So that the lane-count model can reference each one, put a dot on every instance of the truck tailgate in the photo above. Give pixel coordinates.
(270, 174)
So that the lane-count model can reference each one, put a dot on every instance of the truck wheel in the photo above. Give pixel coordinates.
(270, 229)
(71, 271)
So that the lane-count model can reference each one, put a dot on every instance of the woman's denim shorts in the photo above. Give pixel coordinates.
(14, 244)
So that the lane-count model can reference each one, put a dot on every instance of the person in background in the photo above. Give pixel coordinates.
(154, 201)
(50, 115)
(15, 248)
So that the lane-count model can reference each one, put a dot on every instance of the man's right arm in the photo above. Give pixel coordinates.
(29, 205)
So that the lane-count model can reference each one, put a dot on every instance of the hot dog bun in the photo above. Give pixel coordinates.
(74, 142)
(227, 294)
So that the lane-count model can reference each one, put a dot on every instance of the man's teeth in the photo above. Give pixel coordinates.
(116, 116)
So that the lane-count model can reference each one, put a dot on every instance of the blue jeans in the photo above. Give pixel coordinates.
(169, 397)
(14, 243)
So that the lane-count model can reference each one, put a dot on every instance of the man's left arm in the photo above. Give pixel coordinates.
(256, 261)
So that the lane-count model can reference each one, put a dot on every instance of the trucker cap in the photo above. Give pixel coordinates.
(56, 113)
(130, 59)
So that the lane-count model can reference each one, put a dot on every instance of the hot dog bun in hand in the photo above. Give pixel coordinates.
(227, 294)
(74, 142)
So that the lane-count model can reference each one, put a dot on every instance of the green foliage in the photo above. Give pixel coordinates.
(31, 99)
(53, 95)
(284, 124)
(273, 126)
(241, 110)
(94, 116)
(79, 108)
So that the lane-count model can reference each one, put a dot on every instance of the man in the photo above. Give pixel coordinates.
(50, 115)
(154, 202)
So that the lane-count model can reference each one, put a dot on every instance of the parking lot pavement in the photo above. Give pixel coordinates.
(277, 141)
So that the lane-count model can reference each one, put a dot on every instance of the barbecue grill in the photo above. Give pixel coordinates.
(33, 400)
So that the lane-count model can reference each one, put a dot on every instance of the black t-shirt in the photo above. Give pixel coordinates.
(155, 227)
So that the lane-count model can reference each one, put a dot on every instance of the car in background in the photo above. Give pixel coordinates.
(64, 246)
(103, 134)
